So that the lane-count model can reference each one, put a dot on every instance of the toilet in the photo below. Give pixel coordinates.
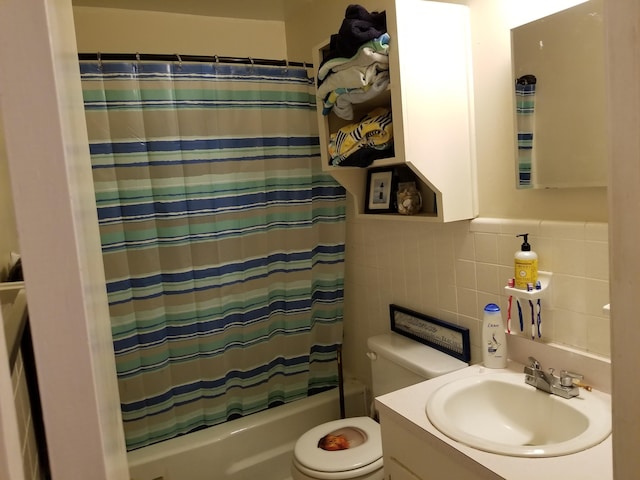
(396, 362)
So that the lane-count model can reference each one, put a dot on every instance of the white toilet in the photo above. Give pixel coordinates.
(396, 362)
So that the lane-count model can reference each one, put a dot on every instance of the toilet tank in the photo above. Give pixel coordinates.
(397, 362)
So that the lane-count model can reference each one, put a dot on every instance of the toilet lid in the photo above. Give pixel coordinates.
(365, 445)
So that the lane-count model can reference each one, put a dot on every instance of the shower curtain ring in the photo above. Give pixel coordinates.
(286, 65)
(179, 61)
(99, 61)
(251, 60)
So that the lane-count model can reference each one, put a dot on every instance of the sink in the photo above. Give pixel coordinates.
(499, 413)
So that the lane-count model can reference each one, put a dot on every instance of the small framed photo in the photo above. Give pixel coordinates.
(380, 191)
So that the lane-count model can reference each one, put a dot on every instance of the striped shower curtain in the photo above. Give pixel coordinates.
(223, 242)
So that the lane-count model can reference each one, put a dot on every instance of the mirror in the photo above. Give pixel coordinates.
(560, 99)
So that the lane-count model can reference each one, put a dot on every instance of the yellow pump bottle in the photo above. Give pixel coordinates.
(525, 265)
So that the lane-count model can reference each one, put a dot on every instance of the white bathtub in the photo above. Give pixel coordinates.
(258, 446)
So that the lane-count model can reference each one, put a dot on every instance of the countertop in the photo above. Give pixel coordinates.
(409, 404)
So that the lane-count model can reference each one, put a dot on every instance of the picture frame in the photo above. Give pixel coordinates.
(443, 336)
(380, 193)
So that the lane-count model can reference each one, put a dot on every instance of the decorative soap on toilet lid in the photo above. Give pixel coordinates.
(342, 439)
(333, 442)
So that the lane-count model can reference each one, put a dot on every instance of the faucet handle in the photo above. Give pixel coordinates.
(566, 378)
(535, 364)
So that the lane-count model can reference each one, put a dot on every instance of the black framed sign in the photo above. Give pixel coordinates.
(444, 336)
(380, 191)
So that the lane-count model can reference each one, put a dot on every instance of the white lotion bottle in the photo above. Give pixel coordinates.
(494, 339)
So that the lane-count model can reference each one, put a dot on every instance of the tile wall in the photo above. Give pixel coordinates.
(32, 470)
(451, 271)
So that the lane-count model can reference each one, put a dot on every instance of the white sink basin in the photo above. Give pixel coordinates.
(499, 413)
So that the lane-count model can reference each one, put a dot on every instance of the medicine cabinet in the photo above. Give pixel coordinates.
(565, 108)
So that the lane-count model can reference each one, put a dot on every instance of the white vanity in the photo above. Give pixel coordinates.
(414, 449)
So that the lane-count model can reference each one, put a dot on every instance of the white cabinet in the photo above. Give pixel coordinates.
(430, 95)
(413, 454)
(396, 471)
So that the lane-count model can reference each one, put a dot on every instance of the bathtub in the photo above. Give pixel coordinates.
(258, 446)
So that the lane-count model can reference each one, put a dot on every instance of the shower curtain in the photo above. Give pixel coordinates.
(223, 242)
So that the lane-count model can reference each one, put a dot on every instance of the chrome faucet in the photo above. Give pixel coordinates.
(548, 382)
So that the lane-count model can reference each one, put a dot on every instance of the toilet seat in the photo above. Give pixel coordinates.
(363, 458)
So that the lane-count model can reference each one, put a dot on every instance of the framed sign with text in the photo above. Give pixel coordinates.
(444, 336)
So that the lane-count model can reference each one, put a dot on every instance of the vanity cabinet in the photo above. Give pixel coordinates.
(430, 95)
(410, 454)
(396, 471)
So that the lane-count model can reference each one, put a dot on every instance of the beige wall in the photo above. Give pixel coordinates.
(131, 31)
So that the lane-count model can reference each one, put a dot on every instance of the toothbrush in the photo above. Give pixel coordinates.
(509, 315)
(538, 308)
(520, 314)
(511, 283)
(533, 323)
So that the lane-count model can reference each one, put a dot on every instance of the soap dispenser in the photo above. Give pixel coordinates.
(525, 265)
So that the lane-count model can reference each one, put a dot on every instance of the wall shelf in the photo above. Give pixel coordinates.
(545, 280)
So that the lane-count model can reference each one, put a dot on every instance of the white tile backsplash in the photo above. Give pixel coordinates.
(569, 257)
(596, 260)
(466, 274)
(563, 230)
(451, 271)
(597, 232)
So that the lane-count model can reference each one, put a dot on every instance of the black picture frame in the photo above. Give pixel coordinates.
(380, 195)
(443, 336)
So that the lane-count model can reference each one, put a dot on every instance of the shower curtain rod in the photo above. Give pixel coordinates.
(188, 58)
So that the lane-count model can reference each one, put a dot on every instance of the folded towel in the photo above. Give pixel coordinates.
(341, 100)
(332, 98)
(354, 77)
(365, 156)
(376, 50)
(374, 130)
(359, 26)
(343, 107)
